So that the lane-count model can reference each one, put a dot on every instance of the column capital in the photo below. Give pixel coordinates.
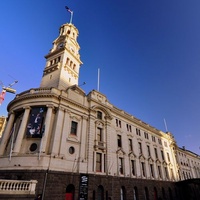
(50, 106)
(26, 107)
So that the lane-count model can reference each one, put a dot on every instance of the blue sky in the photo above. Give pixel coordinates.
(148, 53)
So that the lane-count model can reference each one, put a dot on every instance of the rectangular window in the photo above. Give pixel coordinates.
(159, 141)
(149, 152)
(98, 162)
(153, 138)
(99, 115)
(151, 170)
(133, 167)
(119, 140)
(118, 123)
(128, 127)
(143, 169)
(130, 145)
(168, 157)
(156, 154)
(99, 135)
(121, 166)
(162, 154)
(159, 172)
(138, 131)
(166, 173)
(140, 147)
(146, 135)
(74, 126)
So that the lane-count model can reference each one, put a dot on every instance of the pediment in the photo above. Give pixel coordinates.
(77, 89)
(158, 161)
(132, 155)
(150, 160)
(142, 158)
(120, 152)
(164, 164)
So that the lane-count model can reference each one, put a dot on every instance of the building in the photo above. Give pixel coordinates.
(64, 144)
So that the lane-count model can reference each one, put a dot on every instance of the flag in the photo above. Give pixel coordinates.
(68, 9)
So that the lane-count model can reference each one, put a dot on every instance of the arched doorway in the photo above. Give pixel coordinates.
(135, 193)
(122, 193)
(155, 194)
(70, 190)
(100, 193)
(146, 193)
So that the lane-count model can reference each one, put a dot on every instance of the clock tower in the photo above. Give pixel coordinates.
(63, 60)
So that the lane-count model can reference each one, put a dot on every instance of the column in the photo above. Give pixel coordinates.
(65, 131)
(47, 128)
(6, 133)
(21, 131)
(58, 130)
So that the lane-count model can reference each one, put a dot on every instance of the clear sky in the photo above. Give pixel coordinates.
(148, 53)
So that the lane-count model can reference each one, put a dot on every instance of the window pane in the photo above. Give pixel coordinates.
(74, 128)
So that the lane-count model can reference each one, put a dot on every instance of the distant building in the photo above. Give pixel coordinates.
(61, 143)
(2, 124)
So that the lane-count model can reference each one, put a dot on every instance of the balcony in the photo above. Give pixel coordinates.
(100, 145)
(17, 187)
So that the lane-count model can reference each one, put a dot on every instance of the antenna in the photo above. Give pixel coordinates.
(165, 125)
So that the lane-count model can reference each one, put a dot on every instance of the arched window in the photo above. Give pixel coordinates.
(100, 193)
(146, 193)
(122, 193)
(70, 190)
(135, 193)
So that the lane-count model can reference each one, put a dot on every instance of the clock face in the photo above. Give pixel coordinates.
(60, 45)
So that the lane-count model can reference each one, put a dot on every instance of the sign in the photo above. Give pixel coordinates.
(83, 189)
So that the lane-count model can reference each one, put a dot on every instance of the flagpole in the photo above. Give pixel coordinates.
(98, 79)
(165, 125)
(71, 17)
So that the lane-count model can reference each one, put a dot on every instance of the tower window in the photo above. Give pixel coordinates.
(67, 62)
(74, 67)
(74, 126)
